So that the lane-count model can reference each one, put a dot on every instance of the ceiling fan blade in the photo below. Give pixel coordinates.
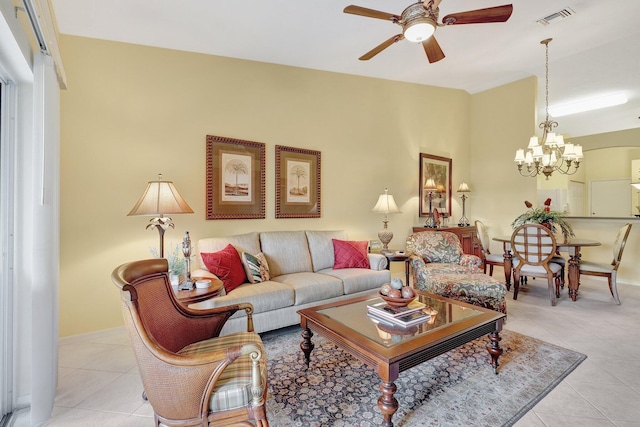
(370, 13)
(432, 49)
(382, 46)
(480, 16)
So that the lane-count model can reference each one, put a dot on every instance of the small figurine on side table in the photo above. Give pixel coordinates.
(187, 283)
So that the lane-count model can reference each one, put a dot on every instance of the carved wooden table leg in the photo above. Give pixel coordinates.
(306, 345)
(387, 403)
(574, 274)
(507, 266)
(494, 349)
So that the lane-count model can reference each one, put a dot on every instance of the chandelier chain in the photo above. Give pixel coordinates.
(546, 78)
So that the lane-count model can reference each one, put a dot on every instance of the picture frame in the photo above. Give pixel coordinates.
(298, 190)
(438, 168)
(235, 178)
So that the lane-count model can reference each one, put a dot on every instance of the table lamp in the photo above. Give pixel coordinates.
(430, 188)
(385, 205)
(463, 188)
(160, 198)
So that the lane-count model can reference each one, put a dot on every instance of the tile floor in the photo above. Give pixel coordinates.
(99, 383)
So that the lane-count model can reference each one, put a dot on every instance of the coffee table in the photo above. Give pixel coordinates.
(391, 349)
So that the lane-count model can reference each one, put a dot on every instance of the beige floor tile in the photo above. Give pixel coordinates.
(71, 417)
(120, 337)
(122, 395)
(627, 371)
(78, 355)
(590, 371)
(616, 402)
(144, 411)
(77, 386)
(555, 420)
(564, 400)
(530, 419)
(118, 359)
(137, 421)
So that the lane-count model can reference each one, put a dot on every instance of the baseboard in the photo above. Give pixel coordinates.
(103, 333)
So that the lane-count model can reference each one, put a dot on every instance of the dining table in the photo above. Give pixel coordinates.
(571, 245)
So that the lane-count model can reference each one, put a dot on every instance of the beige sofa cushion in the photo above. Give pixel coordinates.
(311, 287)
(249, 242)
(265, 296)
(321, 247)
(356, 280)
(286, 252)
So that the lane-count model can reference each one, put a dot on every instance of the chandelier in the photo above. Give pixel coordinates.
(550, 154)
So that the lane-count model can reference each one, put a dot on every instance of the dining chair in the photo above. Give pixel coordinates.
(489, 259)
(610, 270)
(534, 246)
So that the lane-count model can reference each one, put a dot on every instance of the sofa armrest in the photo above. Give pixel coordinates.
(468, 260)
(378, 261)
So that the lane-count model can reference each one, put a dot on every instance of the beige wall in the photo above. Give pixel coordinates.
(131, 112)
(502, 120)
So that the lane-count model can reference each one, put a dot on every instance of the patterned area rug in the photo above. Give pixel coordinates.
(455, 389)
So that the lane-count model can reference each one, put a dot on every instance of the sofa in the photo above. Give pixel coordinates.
(301, 274)
(439, 266)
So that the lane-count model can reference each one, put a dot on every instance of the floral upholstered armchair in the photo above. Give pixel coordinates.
(442, 252)
(440, 267)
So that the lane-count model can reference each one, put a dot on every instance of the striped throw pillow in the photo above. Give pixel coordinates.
(256, 267)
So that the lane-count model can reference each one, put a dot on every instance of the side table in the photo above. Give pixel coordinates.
(199, 294)
(393, 256)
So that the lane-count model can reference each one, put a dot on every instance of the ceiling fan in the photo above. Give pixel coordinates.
(419, 22)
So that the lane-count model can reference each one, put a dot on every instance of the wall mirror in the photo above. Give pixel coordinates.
(601, 188)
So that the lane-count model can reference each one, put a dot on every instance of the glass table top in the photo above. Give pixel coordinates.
(384, 332)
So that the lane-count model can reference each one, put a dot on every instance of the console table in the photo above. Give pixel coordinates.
(468, 237)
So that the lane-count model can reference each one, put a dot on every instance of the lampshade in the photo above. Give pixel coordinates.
(463, 188)
(159, 198)
(386, 204)
(430, 185)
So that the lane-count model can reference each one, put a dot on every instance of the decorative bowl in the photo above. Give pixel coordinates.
(396, 302)
(203, 284)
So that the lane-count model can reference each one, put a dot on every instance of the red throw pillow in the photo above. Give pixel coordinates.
(349, 254)
(227, 266)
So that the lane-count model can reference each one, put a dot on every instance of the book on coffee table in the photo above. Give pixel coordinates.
(407, 320)
(384, 309)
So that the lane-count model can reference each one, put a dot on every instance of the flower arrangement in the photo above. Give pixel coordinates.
(544, 216)
(175, 258)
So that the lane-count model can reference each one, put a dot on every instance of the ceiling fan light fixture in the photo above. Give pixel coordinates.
(419, 29)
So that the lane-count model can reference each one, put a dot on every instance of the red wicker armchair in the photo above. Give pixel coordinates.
(191, 375)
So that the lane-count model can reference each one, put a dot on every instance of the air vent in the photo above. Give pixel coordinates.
(555, 17)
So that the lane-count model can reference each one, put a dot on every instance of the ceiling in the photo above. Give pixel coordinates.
(594, 51)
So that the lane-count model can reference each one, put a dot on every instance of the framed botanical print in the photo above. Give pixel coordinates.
(235, 178)
(297, 183)
(439, 169)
